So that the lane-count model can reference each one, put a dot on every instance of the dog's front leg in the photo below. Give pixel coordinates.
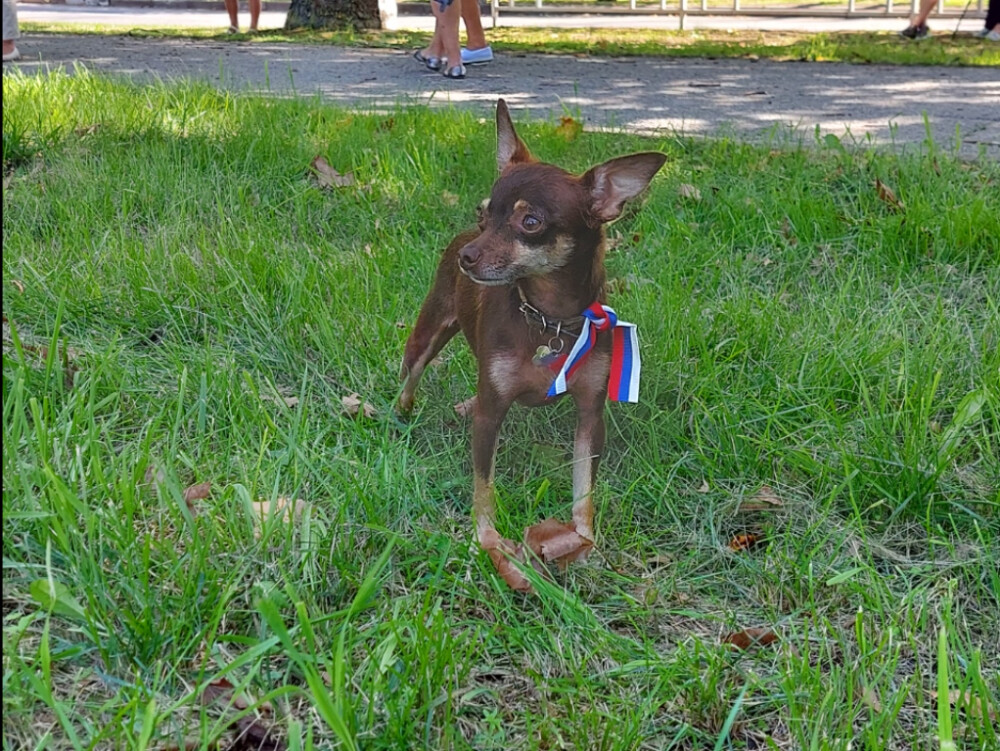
(489, 410)
(587, 449)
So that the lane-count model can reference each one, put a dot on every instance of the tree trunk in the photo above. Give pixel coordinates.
(336, 14)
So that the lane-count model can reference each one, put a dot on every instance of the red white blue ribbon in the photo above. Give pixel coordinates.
(623, 383)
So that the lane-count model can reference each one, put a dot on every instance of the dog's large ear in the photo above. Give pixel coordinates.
(510, 148)
(613, 183)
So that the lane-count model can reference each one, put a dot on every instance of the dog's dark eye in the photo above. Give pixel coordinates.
(531, 223)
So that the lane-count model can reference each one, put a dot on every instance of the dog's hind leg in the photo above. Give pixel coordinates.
(436, 324)
(435, 327)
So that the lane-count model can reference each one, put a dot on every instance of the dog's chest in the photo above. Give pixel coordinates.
(519, 376)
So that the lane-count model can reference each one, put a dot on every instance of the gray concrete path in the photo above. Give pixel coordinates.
(887, 104)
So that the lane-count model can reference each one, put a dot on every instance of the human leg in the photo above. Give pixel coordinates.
(254, 14)
(918, 24)
(11, 31)
(232, 8)
(473, 20)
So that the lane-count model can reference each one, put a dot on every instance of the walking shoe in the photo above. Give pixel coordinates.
(981, 33)
(993, 36)
(477, 57)
(14, 54)
(456, 71)
(916, 32)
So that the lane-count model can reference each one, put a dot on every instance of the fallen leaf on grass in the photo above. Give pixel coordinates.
(750, 637)
(155, 475)
(886, 195)
(764, 499)
(687, 190)
(788, 232)
(744, 542)
(449, 199)
(870, 697)
(285, 509)
(252, 730)
(555, 542)
(327, 176)
(18, 285)
(288, 401)
(971, 703)
(569, 128)
(703, 488)
(198, 492)
(503, 553)
(354, 406)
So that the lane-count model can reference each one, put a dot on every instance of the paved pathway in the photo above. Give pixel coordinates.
(705, 97)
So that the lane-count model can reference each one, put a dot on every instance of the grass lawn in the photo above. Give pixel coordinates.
(849, 47)
(816, 453)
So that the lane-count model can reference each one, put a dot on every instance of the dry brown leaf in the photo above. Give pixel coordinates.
(556, 542)
(788, 232)
(569, 128)
(288, 401)
(388, 124)
(763, 500)
(69, 369)
(252, 731)
(886, 195)
(154, 474)
(703, 488)
(971, 703)
(449, 199)
(750, 637)
(503, 553)
(687, 190)
(18, 285)
(354, 406)
(198, 492)
(285, 509)
(767, 495)
(744, 542)
(870, 697)
(327, 176)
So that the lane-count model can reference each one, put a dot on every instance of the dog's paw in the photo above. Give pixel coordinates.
(553, 541)
(505, 555)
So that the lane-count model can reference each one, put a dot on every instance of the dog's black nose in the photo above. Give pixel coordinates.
(468, 256)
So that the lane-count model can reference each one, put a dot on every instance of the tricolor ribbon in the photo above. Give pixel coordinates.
(623, 383)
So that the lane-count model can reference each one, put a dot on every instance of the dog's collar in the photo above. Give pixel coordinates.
(535, 317)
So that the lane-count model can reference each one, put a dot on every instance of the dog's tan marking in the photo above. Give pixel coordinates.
(542, 258)
(503, 373)
(483, 506)
(521, 205)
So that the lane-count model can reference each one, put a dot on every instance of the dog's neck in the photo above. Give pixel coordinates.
(563, 294)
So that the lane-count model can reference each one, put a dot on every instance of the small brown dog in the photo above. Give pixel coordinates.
(526, 290)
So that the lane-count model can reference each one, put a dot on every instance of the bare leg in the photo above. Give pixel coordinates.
(926, 6)
(254, 14)
(435, 48)
(449, 21)
(232, 8)
(471, 17)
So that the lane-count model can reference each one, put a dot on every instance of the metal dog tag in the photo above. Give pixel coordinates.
(544, 355)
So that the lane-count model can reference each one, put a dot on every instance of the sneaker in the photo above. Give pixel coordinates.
(993, 36)
(14, 54)
(477, 57)
(982, 33)
(916, 32)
